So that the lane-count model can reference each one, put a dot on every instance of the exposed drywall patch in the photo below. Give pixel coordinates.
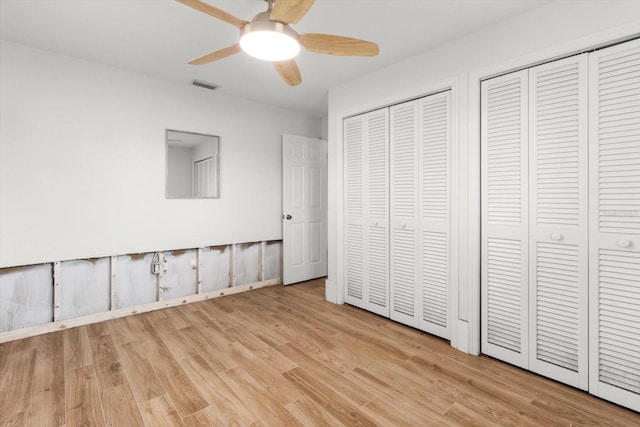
(26, 296)
(272, 260)
(215, 268)
(134, 283)
(42, 298)
(247, 263)
(179, 279)
(84, 288)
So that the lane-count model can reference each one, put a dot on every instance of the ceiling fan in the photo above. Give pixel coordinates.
(270, 37)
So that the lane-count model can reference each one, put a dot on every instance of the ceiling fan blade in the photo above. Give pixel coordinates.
(290, 11)
(218, 54)
(214, 11)
(289, 71)
(338, 45)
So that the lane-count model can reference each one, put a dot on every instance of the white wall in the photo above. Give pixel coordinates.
(82, 161)
(557, 25)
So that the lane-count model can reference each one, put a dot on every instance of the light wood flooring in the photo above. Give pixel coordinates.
(277, 356)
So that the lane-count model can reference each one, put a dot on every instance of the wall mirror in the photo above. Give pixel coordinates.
(192, 165)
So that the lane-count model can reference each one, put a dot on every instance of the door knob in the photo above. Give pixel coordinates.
(624, 243)
(288, 217)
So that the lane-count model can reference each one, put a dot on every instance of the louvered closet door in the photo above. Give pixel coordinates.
(434, 203)
(366, 205)
(377, 211)
(404, 260)
(558, 220)
(614, 153)
(355, 235)
(504, 224)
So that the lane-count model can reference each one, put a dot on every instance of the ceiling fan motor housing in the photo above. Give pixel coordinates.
(260, 36)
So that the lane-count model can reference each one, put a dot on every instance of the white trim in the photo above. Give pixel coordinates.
(331, 291)
(594, 41)
(123, 312)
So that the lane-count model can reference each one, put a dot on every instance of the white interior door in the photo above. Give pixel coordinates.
(304, 208)
(558, 221)
(614, 282)
(505, 219)
(404, 259)
(435, 213)
(366, 175)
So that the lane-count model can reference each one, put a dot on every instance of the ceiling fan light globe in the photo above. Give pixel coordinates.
(269, 41)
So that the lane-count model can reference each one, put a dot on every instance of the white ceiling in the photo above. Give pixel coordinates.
(159, 37)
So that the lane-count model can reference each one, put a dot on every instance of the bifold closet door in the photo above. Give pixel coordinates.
(435, 212)
(504, 223)
(614, 278)
(420, 194)
(404, 267)
(558, 220)
(366, 211)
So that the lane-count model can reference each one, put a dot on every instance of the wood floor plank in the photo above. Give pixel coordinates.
(178, 344)
(50, 345)
(82, 398)
(46, 406)
(323, 394)
(339, 383)
(309, 413)
(160, 412)
(139, 372)
(263, 350)
(77, 348)
(174, 380)
(206, 417)
(403, 413)
(16, 387)
(388, 389)
(269, 378)
(228, 408)
(106, 360)
(259, 400)
(276, 356)
(120, 407)
(218, 354)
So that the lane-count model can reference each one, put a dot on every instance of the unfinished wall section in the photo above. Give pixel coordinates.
(36, 299)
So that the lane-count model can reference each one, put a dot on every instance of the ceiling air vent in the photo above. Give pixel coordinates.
(204, 84)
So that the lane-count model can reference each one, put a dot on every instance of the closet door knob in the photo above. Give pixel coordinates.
(556, 236)
(403, 225)
(375, 223)
(624, 243)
